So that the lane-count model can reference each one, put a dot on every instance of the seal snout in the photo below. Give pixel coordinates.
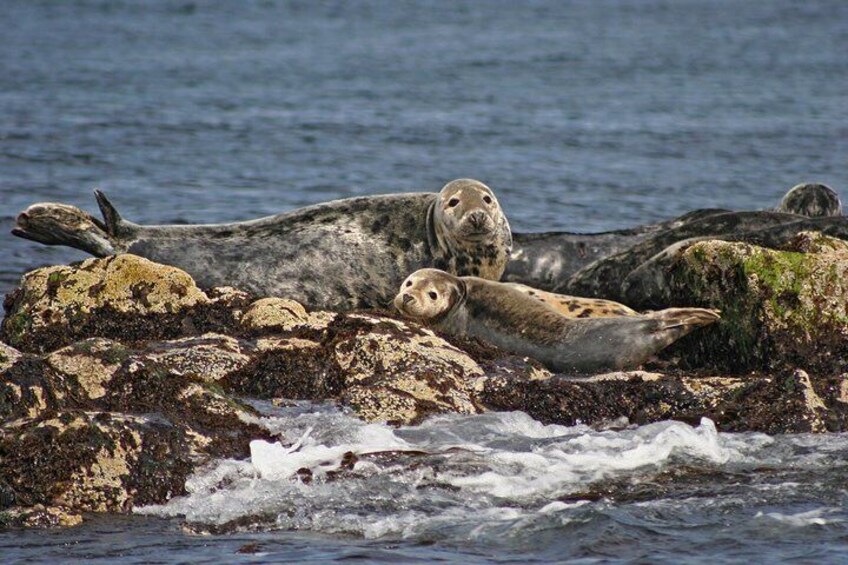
(402, 301)
(477, 219)
(22, 220)
(476, 223)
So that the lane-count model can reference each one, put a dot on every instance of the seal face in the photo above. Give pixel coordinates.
(429, 295)
(471, 231)
(516, 322)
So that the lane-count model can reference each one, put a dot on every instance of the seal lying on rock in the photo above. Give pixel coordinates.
(518, 323)
(599, 264)
(340, 256)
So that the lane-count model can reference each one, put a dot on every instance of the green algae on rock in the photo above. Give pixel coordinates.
(781, 309)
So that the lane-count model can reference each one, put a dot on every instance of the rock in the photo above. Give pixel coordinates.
(90, 364)
(94, 461)
(394, 372)
(38, 516)
(120, 377)
(385, 369)
(283, 315)
(209, 357)
(26, 390)
(782, 404)
(781, 309)
(8, 356)
(123, 297)
(756, 403)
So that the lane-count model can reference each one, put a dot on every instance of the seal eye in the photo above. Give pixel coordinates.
(408, 283)
(432, 295)
(453, 202)
(487, 199)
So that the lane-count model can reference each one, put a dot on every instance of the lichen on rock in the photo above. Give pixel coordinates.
(96, 461)
(394, 372)
(283, 314)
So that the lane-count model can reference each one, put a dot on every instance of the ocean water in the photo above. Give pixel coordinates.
(583, 116)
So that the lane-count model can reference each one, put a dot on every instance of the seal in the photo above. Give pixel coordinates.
(576, 306)
(516, 322)
(814, 200)
(339, 256)
(598, 265)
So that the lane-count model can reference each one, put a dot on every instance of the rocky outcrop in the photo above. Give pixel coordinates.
(122, 297)
(781, 309)
(119, 377)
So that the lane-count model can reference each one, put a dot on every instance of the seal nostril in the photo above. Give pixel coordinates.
(407, 298)
(477, 219)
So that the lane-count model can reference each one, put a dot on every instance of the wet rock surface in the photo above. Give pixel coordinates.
(119, 377)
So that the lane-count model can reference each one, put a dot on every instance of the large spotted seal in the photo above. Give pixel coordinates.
(512, 320)
(341, 255)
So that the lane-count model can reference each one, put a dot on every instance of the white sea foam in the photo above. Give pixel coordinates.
(817, 517)
(488, 475)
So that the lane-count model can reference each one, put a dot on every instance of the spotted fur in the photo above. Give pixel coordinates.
(341, 255)
(576, 306)
(520, 323)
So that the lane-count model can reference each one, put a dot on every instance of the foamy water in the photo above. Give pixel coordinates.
(497, 478)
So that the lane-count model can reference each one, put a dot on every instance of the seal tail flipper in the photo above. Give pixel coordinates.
(678, 322)
(52, 223)
(110, 213)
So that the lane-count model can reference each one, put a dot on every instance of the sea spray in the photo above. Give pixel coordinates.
(471, 474)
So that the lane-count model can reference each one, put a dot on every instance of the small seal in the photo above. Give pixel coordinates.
(518, 323)
(340, 256)
(576, 306)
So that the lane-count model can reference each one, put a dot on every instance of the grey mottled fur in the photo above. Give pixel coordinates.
(601, 265)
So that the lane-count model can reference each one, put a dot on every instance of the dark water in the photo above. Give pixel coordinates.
(587, 115)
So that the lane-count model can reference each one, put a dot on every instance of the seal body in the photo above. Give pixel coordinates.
(518, 323)
(342, 255)
(576, 306)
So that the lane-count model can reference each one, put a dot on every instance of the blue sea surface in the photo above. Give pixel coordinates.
(586, 115)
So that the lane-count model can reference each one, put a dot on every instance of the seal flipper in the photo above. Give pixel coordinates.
(110, 213)
(52, 223)
(675, 323)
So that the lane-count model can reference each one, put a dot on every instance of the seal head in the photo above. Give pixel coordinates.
(812, 199)
(470, 233)
(430, 295)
